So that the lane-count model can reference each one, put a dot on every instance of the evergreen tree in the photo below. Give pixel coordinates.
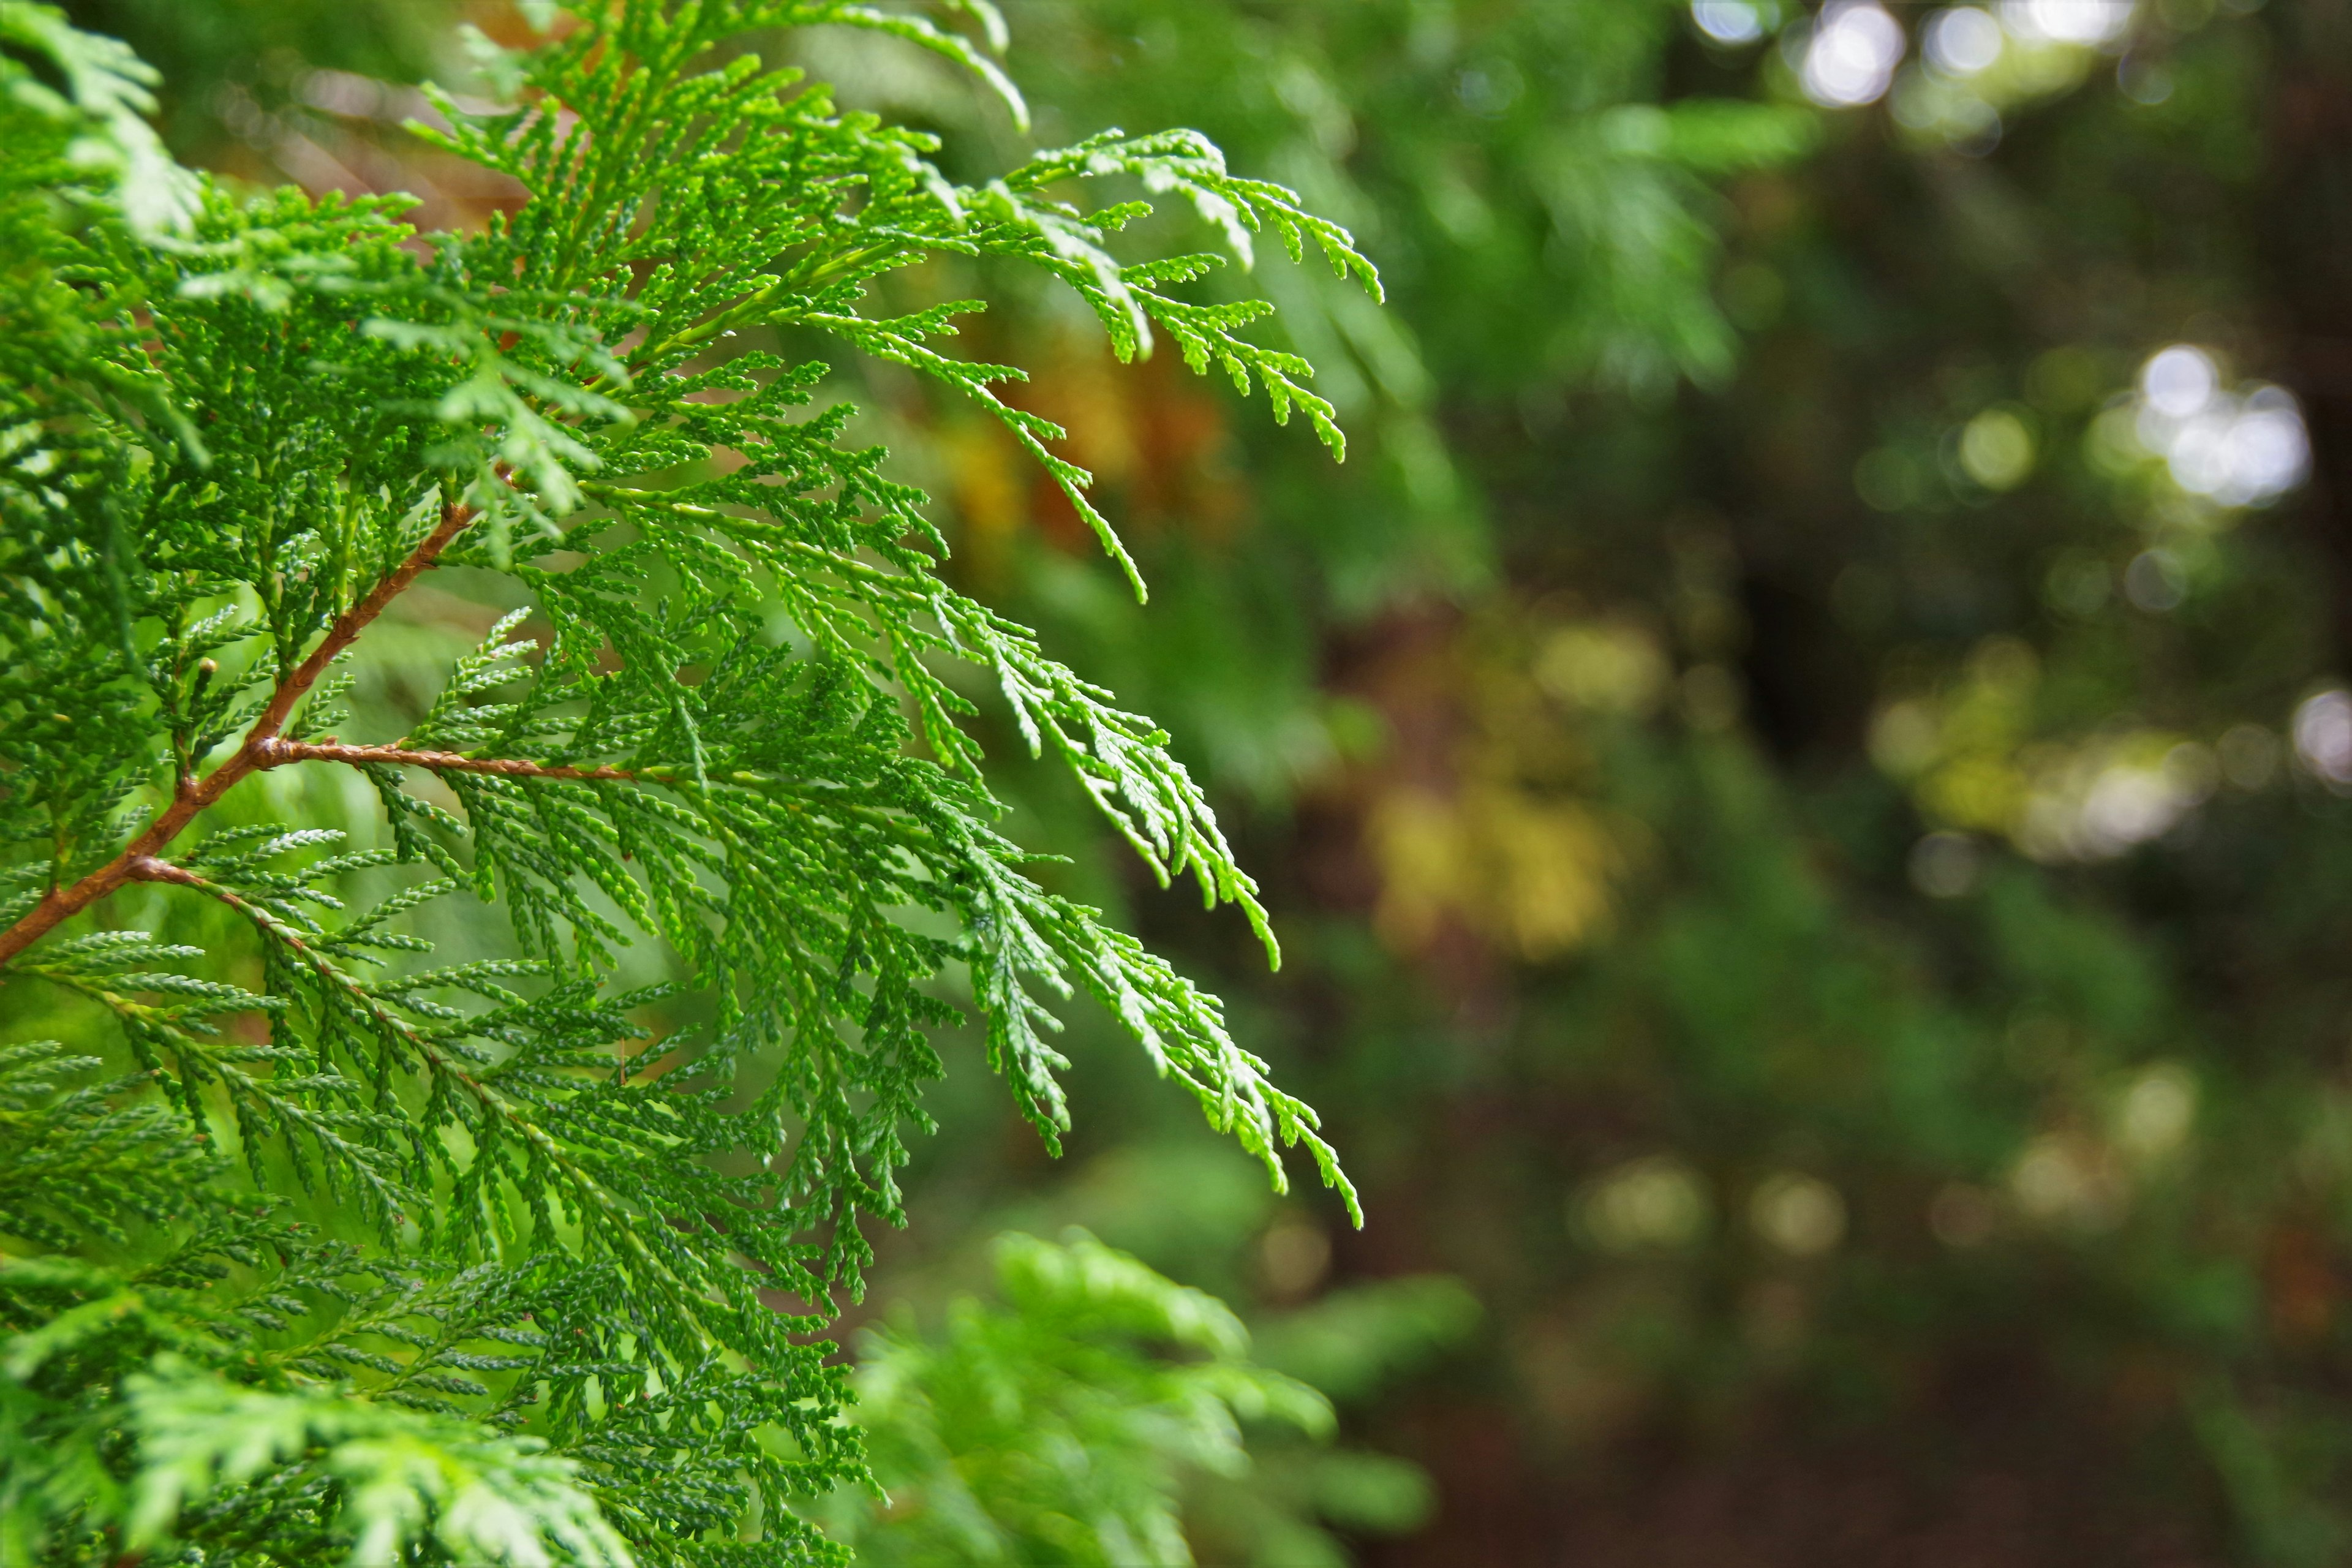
(311, 1252)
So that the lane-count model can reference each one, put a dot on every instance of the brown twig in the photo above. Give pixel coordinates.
(275, 753)
(194, 795)
(148, 869)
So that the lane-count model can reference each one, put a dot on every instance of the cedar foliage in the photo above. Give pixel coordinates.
(1045, 1428)
(232, 431)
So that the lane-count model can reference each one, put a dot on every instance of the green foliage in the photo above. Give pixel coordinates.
(1353, 1345)
(92, 123)
(298, 1474)
(1059, 1426)
(316, 1251)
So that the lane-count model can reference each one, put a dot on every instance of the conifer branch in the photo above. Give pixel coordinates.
(804, 828)
(191, 795)
(441, 1063)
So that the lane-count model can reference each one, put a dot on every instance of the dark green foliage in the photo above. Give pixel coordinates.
(2081, 1101)
(312, 1250)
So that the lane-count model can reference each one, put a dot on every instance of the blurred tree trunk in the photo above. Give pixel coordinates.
(2306, 216)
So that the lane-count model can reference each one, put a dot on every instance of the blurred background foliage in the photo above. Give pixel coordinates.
(1800, 767)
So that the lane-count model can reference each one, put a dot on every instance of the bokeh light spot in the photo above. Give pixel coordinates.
(1852, 54)
(1962, 41)
(2178, 381)
(1294, 1256)
(1654, 1203)
(1728, 21)
(2241, 448)
(1945, 865)
(2087, 23)
(1801, 1215)
(1997, 450)
(2061, 1179)
(2322, 736)
(2155, 1113)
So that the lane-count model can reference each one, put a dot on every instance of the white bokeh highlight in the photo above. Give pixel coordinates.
(2322, 736)
(2090, 24)
(2240, 447)
(1851, 57)
(1728, 21)
(1962, 41)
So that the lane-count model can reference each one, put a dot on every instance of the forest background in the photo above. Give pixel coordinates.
(1801, 766)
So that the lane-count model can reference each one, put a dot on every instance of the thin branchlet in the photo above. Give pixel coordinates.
(276, 754)
(191, 796)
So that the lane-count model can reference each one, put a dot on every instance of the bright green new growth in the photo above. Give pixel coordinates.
(230, 433)
(1046, 1430)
